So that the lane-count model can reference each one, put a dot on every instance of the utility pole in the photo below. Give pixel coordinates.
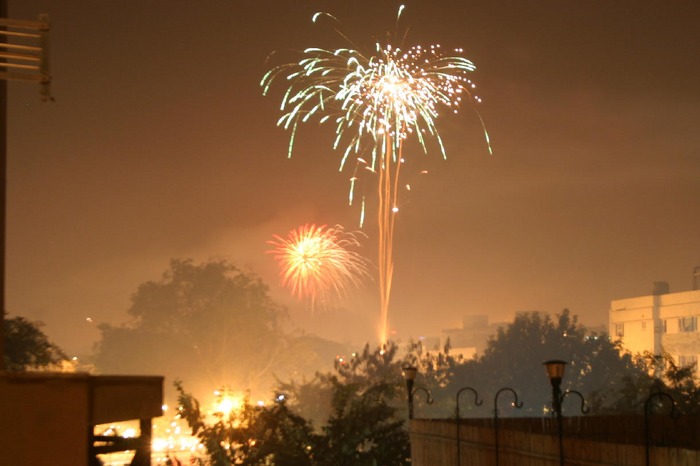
(24, 56)
(3, 192)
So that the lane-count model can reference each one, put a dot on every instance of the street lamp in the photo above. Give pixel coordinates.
(515, 404)
(555, 371)
(477, 402)
(409, 374)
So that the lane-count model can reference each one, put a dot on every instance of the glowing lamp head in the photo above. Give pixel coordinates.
(409, 373)
(555, 370)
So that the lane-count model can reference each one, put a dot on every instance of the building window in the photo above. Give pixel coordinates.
(620, 329)
(644, 325)
(688, 324)
(685, 360)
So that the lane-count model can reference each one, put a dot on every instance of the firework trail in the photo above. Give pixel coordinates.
(317, 262)
(376, 101)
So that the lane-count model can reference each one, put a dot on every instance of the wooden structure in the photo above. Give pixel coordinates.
(588, 441)
(49, 418)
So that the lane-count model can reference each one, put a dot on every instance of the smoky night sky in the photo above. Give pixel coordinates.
(160, 145)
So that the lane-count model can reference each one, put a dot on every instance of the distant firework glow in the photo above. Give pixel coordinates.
(376, 102)
(318, 263)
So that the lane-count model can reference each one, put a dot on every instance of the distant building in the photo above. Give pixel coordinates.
(662, 321)
(472, 337)
(431, 343)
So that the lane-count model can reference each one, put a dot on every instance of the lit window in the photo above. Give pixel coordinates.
(620, 329)
(660, 326)
(688, 324)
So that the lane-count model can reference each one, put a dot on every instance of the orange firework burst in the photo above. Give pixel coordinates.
(318, 263)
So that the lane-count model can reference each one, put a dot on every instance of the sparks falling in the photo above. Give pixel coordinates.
(318, 263)
(376, 101)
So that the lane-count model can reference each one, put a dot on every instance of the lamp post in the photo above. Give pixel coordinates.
(555, 371)
(409, 374)
(647, 412)
(515, 404)
(477, 402)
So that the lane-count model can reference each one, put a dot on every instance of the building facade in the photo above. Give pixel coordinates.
(472, 337)
(661, 322)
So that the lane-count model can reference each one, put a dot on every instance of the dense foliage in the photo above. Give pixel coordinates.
(514, 357)
(208, 324)
(610, 379)
(252, 435)
(657, 373)
(27, 347)
(364, 427)
(356, 414)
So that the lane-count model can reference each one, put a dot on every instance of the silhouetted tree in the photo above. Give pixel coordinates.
(310, 398)
(611, 379)
(208, 323)
(514, 358)
(251, 436)
(313, 399)
(442, 373)
(27, 347)
(657, 373)
(364, 427)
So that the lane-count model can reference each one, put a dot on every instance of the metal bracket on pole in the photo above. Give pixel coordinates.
(24, 52)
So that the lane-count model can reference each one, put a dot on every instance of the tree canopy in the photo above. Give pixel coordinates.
(514, 357)
(363, 424)
(27, 347)
(356, 414)
(209, 324)
(610, 379)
